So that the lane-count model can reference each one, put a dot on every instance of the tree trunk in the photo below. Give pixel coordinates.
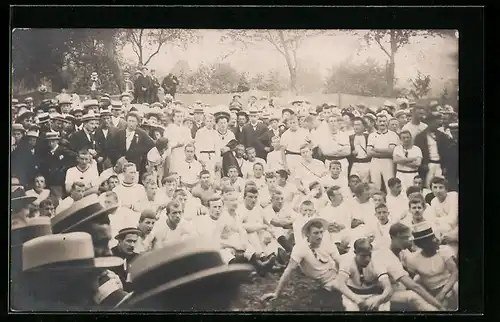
(293, 79)
(112, 62)
(392, 64)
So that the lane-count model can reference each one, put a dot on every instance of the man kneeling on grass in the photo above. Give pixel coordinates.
(317, 259)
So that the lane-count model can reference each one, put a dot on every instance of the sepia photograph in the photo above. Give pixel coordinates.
(234, 170)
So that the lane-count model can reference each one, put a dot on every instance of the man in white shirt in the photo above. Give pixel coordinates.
(210, 226)
(359, 150)
(397, 201)
(445, 206)
(274, 160)
(380, 148)
(363, 281)
(291, 142)
(334, 179)
(85, 171)
(308, 170)
(77, 191)
(415, 126)
(189, 168)
(407, 158)
(247, 168)
(175, 229)
(280, 219)
(131, 194)
(315, 258)
(361, 210)
(206, 145)
(337, 215)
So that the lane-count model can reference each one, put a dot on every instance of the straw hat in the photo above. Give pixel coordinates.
(52, 135)
(22, 231)
(90, 103)
(18, 127)
(57, 252)
(18, 199)
(91, 116)
(80, 212)
(153, 112)
(178, 265)
(43, 118)
(422, 230)
(125, 231)
(308, 224)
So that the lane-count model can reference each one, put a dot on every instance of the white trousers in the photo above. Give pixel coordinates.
(381, 169)
(362, 170)
(406, 179)
(350, 306)
(293, 161)
(434, 171)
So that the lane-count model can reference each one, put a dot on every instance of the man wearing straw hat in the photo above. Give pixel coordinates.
(55, 164)
(117, 120)
(127, 239)
(316, 259)
(90, 216)
(84, 139)
(25, 160)
(62, 272)
(20, 233)
(182, 276)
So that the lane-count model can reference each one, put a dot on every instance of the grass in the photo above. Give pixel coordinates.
(301, 293)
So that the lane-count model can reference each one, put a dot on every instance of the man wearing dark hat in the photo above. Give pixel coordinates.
(252, 133)
(25, 159)
(18, 132)
(117, 120)
(126, 100)
(25, 118)
(169, 84)
(77, 113)
(240, 123)
(435, 147)
(102, 136)
(90, 216)
(127, 239)
(198, 123)
(85, 139)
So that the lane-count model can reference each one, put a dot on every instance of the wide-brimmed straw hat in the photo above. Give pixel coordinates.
(125, 231)
(178, 265)
(308, 224)
(58, 252)
(422, 230)
(18, 199)
(23, 231)
(78, 213)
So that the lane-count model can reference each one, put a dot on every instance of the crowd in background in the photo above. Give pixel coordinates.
(141, 204)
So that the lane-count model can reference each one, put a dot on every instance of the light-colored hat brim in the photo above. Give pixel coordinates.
(235, 272)
(105, 210)
(24, 199)
(99, 262)
(310, 221)
(424, 236)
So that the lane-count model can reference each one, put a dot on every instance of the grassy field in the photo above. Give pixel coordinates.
(300, 294)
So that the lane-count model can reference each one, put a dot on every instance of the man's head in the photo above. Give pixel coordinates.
(251, 154)
(306, 152)
(129, 172)
(242, 119)
(271, 178)
(181, 196)
(215, 205)
(84, 158)
(354, 180)
(240, 150)
(434, 121)
(133, 120)
(417, 206)
(282, 177)
(406, 138)
(189, 150)
(362, 192)
(39, 183)
(306, 208)
(439, 187)
(378, 198)
(222, 124)
(334, 194)
(334, 122)
(277, 198)
(401, 237)
(113, 181)
(314, 233)
(205, 178)
(127, 242)
(293, 122)
(258, 170)
(316, 189)
(382, 213)
(363, 252)
(418, 182)
(381, 122)
(251, 195)
(170, 184)
(358, 125)
(47, 208)
(147, 221)
(393, 124)
(335, 169)
(231, 201)
(395, 186)
(91, 125)
(232, 172)
(174, 212)
(275, 143)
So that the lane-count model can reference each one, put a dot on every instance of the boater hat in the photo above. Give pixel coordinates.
(18, 199)
(308, 224)
(22, 231)
(178, 265)
(80, 212)
(58, 252)
(221, 115)
(125, 231)
(422, 230)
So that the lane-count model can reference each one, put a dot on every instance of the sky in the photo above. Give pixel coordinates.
(428, 55)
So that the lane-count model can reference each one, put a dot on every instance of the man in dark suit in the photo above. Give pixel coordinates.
(169, 84)
(25, 160)
(140, 87)
(133, 143)
(154, 86)
(238, 129)
(252, 132)
(198, 115)
(272, 131)
(84, 139)
(102, 136)
(435, 146)
(117, 120)
(54, 164)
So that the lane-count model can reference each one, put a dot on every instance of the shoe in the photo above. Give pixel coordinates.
(283, 257)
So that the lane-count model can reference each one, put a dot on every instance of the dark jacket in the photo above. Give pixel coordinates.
(251, 138)
(25, 163)
(443, 145)
(121, 271)
(54, 166)
(140, 146)
(195, 129)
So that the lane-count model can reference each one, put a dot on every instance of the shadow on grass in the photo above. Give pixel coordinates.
(301, 293)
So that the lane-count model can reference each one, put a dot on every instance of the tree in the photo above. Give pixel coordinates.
(216, 78)
(286, 42)
(146, 43)
(391, 40)
(421, 85)
(364, 79)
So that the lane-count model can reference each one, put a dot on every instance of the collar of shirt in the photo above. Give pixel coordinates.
(54, 149)
(382, 133)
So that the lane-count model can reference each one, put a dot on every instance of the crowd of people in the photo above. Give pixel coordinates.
(121, 206)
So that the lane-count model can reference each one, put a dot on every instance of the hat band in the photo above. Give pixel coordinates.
(87, 262)
(176, 269)
(76, 217)
(22, 235)
(422, 234)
